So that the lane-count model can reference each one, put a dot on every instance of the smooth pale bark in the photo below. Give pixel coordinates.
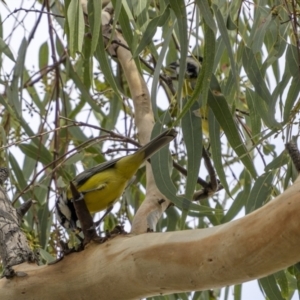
(152, 208)
(132, 267)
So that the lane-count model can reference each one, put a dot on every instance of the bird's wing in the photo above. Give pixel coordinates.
(85, 175)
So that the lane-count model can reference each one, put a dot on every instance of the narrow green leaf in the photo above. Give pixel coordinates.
(87, 64)
(275, 42)
(292, 60)
(29, 165)
(290, 176)
(77, 109)
(226, 40)
(207, 15)
(117, 10)
(76, 157)
(254, 114)
(278, 162)
(19, 67)
(118, 20)
(251, 67)
(216, 149)
(197, 295)
(79, 84)
(181, 296)
(283, 283)
(192, 134)
(160, 168)
(292, 97)
(111, 119)
(76, 26)
(140, 11)
(151, 31)
(208, 63)
(13, 90)
(45, 224)
(3, 139)
(158, 68)
(280, 89)
(230, 25)
(58, 14)
(7, 106)
(257, 105)
(295, 272)
(46, 256)
(41, 154)
(263, 20)
(226, 292)
(229, 90)
(260, 192)
(94, 15)
(101, 56)
(181, 17)
(41, 189)
(77, 134)
(29, 132)
(126, 21)
(292, 282)
(34, 94)
(6, 50)
(270, 287)
(237, 292)
(43, 55)
(235, 207)
(219, 52)
(203, 81)
(172, 219)
(213, 218)
(20, 181)
(220, 108)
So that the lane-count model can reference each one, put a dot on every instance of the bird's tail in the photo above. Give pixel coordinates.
(158, 142)
(65, 212)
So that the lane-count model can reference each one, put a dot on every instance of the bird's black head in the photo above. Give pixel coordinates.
(193, 66)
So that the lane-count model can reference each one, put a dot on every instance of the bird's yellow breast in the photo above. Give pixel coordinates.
(102, 189)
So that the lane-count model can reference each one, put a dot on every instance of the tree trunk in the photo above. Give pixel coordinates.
(133, 267)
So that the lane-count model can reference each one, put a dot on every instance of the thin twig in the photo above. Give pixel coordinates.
(36, 11)
(44, 71)
(183, 171)
(35, 136)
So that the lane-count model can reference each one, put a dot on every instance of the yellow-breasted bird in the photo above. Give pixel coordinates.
(103, 184)
(193, 68)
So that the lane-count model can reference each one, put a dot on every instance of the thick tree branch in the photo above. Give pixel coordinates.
(259, 244)
(151, 210)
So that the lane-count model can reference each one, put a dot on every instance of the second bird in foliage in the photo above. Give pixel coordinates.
(103, 184)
